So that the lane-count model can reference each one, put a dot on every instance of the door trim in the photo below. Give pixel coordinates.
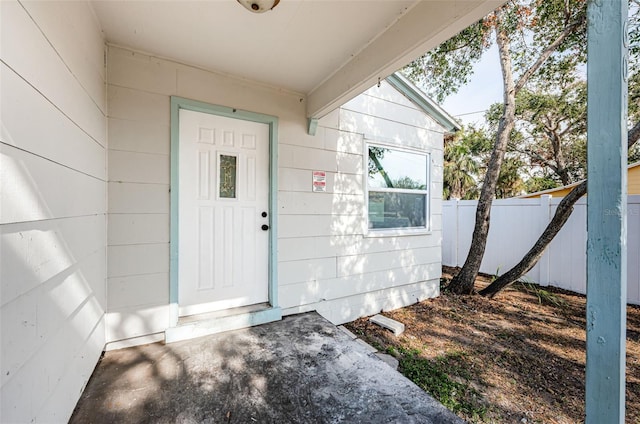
(178, 103)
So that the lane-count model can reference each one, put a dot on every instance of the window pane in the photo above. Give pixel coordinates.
(228, 176)
(396, 169)
(397, 210)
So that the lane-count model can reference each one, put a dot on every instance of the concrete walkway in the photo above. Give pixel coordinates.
(299, 370)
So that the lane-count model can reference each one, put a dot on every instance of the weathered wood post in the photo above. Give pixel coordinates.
(606, 210)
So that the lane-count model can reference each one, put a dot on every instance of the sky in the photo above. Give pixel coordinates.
(469, 104)
(485, 87)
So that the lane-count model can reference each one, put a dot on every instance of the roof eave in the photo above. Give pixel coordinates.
(413, 93)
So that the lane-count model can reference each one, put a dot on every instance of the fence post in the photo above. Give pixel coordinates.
(456, 224)
(545, 212)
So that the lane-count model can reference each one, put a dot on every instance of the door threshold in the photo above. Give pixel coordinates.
(223, 313)
(199, 325)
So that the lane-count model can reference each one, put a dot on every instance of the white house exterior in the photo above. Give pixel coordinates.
(326, 257)
(91, 179)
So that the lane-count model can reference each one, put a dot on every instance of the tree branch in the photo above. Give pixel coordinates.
(548, 51)
(569, 127)
(541, 159)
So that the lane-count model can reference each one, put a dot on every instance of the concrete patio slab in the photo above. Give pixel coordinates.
(299, 370)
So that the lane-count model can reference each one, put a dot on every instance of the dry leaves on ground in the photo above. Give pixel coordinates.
(519, 358)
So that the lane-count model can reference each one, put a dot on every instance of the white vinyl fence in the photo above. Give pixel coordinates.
(516, 225)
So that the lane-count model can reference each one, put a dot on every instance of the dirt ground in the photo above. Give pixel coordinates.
(519, 358)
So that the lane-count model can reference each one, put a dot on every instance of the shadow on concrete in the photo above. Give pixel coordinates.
(298, 370)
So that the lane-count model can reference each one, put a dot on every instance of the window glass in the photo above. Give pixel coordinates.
(396, 210)
(228, 169)
(397, 189)
(390, 168)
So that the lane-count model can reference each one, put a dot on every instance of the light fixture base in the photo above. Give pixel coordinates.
(259, 6)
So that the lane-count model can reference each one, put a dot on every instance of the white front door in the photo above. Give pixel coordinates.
(223, 206)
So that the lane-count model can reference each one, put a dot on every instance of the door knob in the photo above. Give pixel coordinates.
(265, 227)
(264, 214)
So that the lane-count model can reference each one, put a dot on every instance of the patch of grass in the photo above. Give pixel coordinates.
(544, 297)
(495, 276)
(446, 380)
(524, 355)
(376, 344)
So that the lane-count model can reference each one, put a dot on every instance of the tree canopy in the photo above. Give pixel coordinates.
(548, 142)
(538, 130)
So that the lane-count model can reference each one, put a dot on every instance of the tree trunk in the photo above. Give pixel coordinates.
(464, 281)
(561, 165)
(563, 212)
(557, 222)
(380, 169)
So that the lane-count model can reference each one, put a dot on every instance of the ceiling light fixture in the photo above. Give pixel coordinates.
(259, 6)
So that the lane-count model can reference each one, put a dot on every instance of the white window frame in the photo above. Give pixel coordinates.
(400, 231)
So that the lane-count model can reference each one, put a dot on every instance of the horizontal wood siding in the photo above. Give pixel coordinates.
(139, 90)
(322, 242)
(633, 180)
(328, 262)
(138, 218)
(52, 207)
(390, 105)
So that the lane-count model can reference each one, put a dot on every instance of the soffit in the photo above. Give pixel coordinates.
(331, 50)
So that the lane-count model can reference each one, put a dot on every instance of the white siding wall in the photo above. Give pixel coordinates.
(325, 262)
(139, 90)
(138, 220)
(52, 207)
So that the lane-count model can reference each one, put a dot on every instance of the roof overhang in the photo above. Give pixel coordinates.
(326, 51)
(418, 97)
(422, 28)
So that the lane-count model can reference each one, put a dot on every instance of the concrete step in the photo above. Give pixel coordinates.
(396, 327)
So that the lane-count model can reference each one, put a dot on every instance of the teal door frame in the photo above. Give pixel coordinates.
(178, 103)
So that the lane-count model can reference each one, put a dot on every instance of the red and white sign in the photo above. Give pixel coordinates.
(319, 182)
